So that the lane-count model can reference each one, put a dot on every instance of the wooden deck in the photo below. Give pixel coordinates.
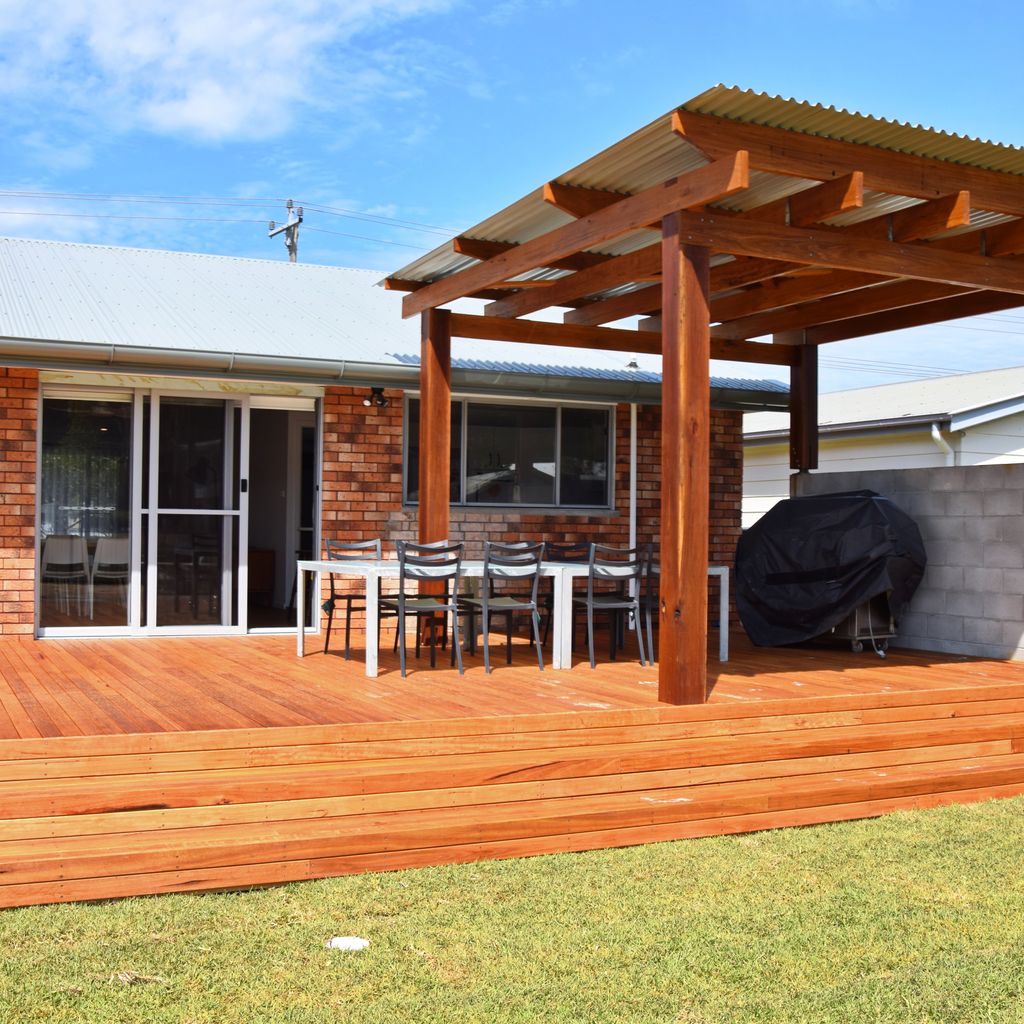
(143, 766)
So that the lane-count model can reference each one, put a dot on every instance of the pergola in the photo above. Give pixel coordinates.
(776, 218)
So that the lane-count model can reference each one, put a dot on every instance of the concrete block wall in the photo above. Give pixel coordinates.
(971, 600)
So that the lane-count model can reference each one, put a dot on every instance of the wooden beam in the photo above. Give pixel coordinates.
(973, 304)
(837, 307)
(604, 339)
(833, 248)
(400, 284)
(923, 220)
(685, 462)
(435, 425)
(579, 202)
(704, 185)
(539, 332)
(635, 266)
(638, 302)
(482, 249)
(781, 151)
(803, 402)
(814, 204)
(778, 292)
(725, 277)
(1004, 239)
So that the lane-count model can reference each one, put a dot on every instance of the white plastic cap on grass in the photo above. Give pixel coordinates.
(351, 943)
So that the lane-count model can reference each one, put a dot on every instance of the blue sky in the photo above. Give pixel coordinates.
(418, 118)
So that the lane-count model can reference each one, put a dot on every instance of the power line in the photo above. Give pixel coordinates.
(234, 201)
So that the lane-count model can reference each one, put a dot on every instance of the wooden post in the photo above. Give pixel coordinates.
(435, 424)
(803, 402)
(685, 458)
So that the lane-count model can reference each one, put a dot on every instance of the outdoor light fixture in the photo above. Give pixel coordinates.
(376, 397)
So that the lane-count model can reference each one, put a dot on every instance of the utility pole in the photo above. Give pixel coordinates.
(290, 230)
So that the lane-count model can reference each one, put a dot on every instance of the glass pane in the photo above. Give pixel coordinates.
(412, 465)
(584, 463)
(192, 449)
(191, 554)
(510, 455)
(85, 493)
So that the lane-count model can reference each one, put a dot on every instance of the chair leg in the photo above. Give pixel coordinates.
(613, 631)
(650, 635)
(457, 640)
(330, 621)
(348, 628)
(590, 634)
(401, 639)
(486, 618)
(535, 617)
(640, 636)
(508, 638)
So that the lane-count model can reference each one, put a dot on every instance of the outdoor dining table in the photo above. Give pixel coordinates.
(563, 575)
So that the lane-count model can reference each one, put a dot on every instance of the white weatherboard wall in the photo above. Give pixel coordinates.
(766, 471)
(971, 600)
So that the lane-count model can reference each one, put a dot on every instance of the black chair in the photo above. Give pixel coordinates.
(650, 597)
(622, 568)
(440, 565)
(577, 551)
(357, 551)
(519, 563)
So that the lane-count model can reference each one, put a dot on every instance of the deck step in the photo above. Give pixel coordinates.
(87, 823)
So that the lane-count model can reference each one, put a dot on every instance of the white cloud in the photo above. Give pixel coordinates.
(211, 69)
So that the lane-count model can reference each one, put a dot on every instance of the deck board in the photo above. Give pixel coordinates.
(136, 766)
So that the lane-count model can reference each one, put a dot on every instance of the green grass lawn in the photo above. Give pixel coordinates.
(914, 917)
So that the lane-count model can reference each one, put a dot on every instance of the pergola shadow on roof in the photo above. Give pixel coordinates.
(775, 218)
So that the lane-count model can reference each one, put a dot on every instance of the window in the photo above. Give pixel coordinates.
(532, 455)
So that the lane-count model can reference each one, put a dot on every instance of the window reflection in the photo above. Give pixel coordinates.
(84, 506)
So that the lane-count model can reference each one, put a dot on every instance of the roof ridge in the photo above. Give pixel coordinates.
(60, 242)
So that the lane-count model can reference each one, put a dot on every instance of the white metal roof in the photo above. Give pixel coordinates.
(98, 294)
(962, 397)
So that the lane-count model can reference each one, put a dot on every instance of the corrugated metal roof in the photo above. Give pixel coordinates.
(655, 153)
(62, 291)
(595, 373)
(935, 399)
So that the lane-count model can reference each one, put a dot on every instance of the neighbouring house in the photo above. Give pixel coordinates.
(966, 419)
(178, 428)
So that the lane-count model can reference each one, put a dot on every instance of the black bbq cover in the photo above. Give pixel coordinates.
(806, 564)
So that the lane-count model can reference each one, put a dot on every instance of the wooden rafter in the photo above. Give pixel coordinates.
(780, 151)
(606, 339)
(814, 204)
(482, 249)
(821, 247)
(972, 304)
(641, 265)
(578, 202)
(704, 185)
(840, 306)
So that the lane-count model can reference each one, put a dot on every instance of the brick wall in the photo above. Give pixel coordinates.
(362, 484)
(19, 397)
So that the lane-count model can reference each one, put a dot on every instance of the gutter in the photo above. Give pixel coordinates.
(138, 359)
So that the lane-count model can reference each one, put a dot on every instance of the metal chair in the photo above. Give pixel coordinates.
(65, 561)
(427, 563)
(576, 551)
(650, 597)
(621, 567)
(356, 551)
(503, 562)
(111, 563)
